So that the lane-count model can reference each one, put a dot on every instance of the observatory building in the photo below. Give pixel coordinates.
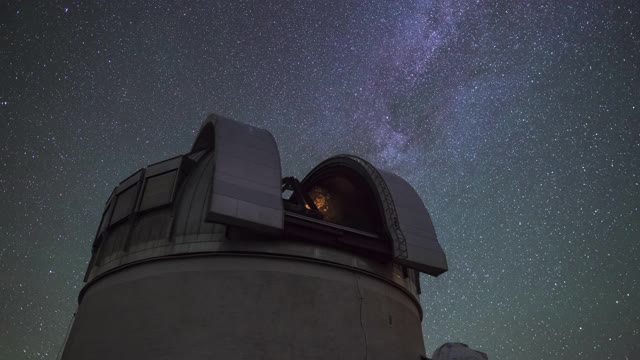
(215, 255)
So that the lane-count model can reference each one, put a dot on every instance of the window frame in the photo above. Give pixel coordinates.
(135, 188)
(180, 164)
(176, 179)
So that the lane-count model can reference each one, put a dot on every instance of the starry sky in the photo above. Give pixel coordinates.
(518, 123)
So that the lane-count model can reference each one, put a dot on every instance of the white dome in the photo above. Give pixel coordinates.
(457, 351)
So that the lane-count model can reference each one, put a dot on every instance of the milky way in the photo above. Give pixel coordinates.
(517, 123)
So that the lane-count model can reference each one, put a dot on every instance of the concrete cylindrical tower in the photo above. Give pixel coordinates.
(212, 255)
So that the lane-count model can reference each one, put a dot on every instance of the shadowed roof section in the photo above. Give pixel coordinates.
(406, 219)
(247, 175)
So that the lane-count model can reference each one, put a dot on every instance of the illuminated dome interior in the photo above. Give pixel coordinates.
(343, 197)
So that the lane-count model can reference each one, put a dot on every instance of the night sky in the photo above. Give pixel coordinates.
(518, 124)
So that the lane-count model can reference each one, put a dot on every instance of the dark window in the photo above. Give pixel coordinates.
(124, 204)
(158, 190)
(105, 217)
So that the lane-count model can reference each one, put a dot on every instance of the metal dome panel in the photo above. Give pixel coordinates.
(406, 219)
(422, 249)
(246, 180)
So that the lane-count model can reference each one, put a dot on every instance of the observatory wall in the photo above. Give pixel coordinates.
(244, 307)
